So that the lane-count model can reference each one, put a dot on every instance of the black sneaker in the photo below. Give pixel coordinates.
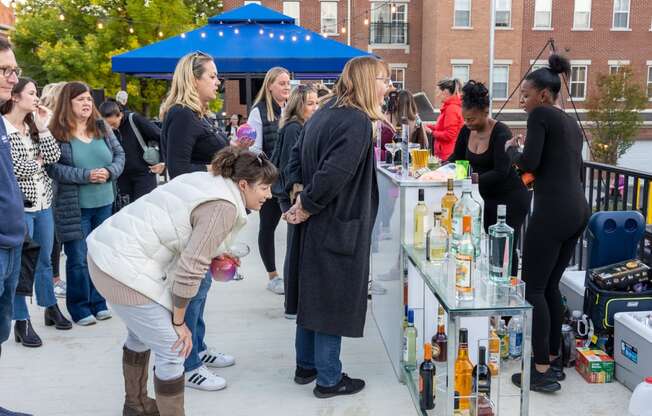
(5, 412)
(304, 375)
(557, 367)
(346, 386)
(540, 382)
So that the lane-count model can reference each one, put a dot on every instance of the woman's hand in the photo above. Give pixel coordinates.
(99, 175)
(42, 117)
(159, 168)
(184, 343)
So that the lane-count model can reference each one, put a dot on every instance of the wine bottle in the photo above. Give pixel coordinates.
(447, 203)
(437, 241)
(481, 375)
(501, 241)
(440, 340)
(464, 263)
(427, 380)
(420, 221)
(410, 342)
(463, 370)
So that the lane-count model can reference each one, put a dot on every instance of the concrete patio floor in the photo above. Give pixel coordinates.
(78, 372)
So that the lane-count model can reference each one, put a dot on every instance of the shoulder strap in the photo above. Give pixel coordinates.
(137, 132)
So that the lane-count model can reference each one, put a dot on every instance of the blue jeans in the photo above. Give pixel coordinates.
(82, 299)
(9, 271)
(320, 351)
(196, 325)
(40, 225)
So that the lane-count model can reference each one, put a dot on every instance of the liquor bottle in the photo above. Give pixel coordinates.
(467, 206)
(427, 380)
(515, 329)
(420, 221)
(405, 147)
(463, 370)
(398, 137)
(503, 334)
(410, 342)
(464, 263)
(501, 242)
(437, 241)
(494, 351)
(481, 375)
(447, 203)
(440, 340)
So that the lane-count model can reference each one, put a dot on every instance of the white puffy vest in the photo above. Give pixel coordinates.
(141, 244)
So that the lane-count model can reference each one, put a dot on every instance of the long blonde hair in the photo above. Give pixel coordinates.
(357, 86)
(265, 94)
(51, 93)
(294, 109)
(183, 90)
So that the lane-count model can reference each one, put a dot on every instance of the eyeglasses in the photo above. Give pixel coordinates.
(387, 81)
(8, 70)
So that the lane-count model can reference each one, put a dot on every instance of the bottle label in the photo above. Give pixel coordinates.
(463, 268)
(516, 344)
(405, 348)
(499, 257)
(435, 351)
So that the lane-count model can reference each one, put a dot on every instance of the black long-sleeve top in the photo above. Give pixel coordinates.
(553, 153)
(497, 173)
(188, 141)
(288, 136)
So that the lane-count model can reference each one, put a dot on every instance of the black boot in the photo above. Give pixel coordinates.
(304, 375)
(541, 382)
(53, 316)
(557, 367)
(25, 334)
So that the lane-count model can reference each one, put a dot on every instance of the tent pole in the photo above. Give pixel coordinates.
(248, 91)
(123, 82)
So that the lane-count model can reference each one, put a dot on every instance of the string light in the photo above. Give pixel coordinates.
(236, 31)
(100, 25)
(343, 29)
(160, 34)
(308, 37)
(203, 35)
(62, 17)
(220, 33)
(366, 21)
(131, 30)
(183, 36)
(261, 31)
(271, 35)
(294, 38)
(282, 37)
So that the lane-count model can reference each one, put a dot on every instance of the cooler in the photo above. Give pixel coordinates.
(633, 347)
(571, 287)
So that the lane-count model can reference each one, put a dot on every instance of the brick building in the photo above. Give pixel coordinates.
(427, 40)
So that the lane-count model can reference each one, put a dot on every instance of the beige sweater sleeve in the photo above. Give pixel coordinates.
(211, 223)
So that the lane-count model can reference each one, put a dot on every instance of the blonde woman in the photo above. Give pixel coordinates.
(264, 118)
(189, 142)
(50, 93)
(336, 209)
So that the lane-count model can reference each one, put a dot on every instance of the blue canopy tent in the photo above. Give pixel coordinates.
(245, 43)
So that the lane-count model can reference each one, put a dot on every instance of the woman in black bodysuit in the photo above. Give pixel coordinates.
(482, 142)
(553, 153)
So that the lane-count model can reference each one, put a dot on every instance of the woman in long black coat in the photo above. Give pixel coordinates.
(339, 203)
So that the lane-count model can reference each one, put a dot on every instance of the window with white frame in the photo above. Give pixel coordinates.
(503, 13)
(649, 82)
(582, 15)
(614, 69)
(397, 75)
(389, 23)
(543, 14)
(621, 14)
(578, 81)
(293, 9)
(461, 72)
(500, 86)
(462, 13)
(538, 66)
(329, 17)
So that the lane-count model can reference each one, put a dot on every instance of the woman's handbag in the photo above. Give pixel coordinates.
(151, 154)
(28, 260)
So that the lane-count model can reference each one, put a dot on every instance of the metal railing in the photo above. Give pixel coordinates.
(394, 33)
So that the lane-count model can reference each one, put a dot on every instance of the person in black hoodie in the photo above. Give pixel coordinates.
(138, 177)
(301, 105)
(264, 118)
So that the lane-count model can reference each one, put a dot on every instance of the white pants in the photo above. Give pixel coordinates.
(150, 328)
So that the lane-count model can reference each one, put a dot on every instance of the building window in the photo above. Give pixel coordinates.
(461, 72)
(389, 23)
(582, 16)
(462, 13)
(614, 69)
(329, 17)
(503, 13)
(621, 14)
(578, 81)
(649, 82)
(538, 66)
(292, 9)
(543, 14)
(397, 76)
(500, 86)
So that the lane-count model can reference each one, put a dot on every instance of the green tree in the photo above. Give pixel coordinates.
(614, 112)
(65, 40)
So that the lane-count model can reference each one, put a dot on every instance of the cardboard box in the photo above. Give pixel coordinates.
(594, 365)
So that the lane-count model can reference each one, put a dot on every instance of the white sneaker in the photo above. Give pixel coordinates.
(376, 288)
(291, 316)
(60, 289)
(202, 379)
(212, 358)
(276, 285)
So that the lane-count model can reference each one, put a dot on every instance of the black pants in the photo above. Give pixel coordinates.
(55, 257)
(270, 215)
(136, 184)
(549, 243)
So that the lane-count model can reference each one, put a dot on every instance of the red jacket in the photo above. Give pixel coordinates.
(448, 126)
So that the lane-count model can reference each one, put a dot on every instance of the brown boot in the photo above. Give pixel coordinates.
(135, 368)
(169, 396)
